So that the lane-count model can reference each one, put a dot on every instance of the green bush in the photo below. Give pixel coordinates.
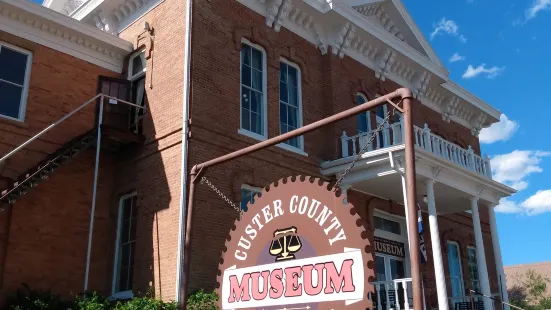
(202, 300)
(27, 299)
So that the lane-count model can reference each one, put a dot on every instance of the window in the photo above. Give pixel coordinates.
(14, 81)
(253, 90)
(248, 193)
(387, 225)
(137, 66)
(364, 119)
(473, 269)
(290, 105)
(454, 264)
(124, 252)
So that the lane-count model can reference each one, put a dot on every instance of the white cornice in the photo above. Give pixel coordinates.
(57, 31)
(349, 32)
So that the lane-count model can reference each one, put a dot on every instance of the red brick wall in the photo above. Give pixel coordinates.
(154, 169)
(48, 229)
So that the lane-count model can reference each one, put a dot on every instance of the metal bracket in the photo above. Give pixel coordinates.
(395, 105)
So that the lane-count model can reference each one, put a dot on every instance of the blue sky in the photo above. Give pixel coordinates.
(502, 50)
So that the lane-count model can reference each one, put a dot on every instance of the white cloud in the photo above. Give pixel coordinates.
(447, 26)
(513, 168)
(500, 131)
(456, 57)
(508, 206)
(536, 7)
(538, 203)
(491, 72)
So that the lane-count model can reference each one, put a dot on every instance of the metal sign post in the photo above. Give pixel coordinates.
(405, 97)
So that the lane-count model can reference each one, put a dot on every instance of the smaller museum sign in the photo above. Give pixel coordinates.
(298, 246)
(389, 247)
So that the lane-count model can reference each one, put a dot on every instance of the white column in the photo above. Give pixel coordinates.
(436, 249)
(498, 260)
(480, 255)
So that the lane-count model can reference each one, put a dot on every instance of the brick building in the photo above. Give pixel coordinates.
(242, 71)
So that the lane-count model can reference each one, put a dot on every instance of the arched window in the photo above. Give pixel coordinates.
(364, 119)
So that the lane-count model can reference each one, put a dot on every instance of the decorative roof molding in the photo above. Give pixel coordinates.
(41, 25)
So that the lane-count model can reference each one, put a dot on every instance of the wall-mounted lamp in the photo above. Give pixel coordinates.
(425, 200)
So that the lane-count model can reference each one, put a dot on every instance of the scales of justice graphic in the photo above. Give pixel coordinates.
(285, 243)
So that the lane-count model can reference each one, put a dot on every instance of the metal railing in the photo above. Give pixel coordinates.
(392, 295)
(112, 100)
(392, 134)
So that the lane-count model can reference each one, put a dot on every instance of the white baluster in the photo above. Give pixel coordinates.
(428, 144)
(378, 289)
(401, 130)
(488, 167)
(344, 144)
(387, 297)
(370, 146)
(416, 134)
(354, 145)
(396, 298)
(406, 297)
(470, 160)
(386, 135)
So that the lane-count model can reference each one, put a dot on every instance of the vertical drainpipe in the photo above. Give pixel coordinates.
(185, 135)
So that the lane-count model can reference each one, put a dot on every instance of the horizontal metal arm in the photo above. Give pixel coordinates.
(17, 149)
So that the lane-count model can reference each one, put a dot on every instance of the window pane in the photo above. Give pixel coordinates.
(378, 222)
(257, 80)
(256, 123)
(245, 54)
(292, 76)
(245, 119)
(380, 112)
(380, 268)
(283, 72)
(125, 230)
(397, 269)
(362, 123)
(293, 117)
(10, 99)
(293, 96)
(256, 101)
(13, 64)
(245, 75)
(123, 280)
(283, 92)
(125, 255)
(256, 59)
(245, 98)
(360, 99)
(283, 113)
(137, 64)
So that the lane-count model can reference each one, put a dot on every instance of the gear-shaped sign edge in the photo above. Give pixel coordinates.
(369, 274)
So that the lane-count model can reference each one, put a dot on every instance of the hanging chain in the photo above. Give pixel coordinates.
(214, 188)
(337, 184)
(364, 148)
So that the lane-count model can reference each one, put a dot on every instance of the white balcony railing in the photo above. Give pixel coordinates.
(392, 295)
(392, 134)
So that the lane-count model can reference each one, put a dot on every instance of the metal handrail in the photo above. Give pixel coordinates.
(100, 95)
(494, 299)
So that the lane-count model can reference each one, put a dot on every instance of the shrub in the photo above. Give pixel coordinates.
(91, 302)
(27, 299)
(145, 303)
(202, 300)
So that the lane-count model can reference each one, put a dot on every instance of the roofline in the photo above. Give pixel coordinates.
(71, 23)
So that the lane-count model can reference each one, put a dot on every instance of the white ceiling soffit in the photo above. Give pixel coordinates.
(44, 26)
(398, 52)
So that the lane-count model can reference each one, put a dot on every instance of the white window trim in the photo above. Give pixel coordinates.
(114, 293)
(462, 280)
(243, 131)
(130, 65)
(300, 148)
(25, 91)
(367, 114)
